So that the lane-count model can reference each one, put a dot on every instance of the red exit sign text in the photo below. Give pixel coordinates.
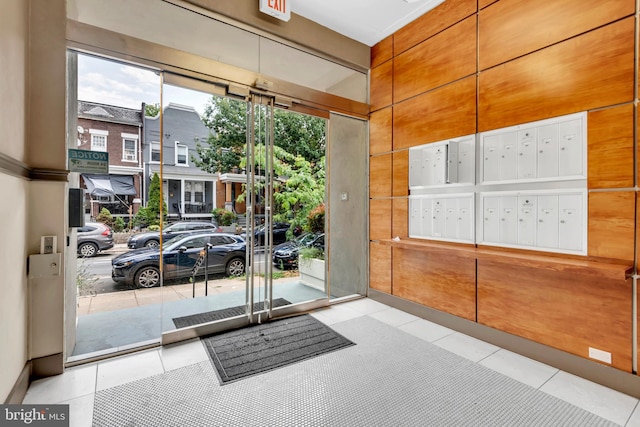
(280, 9)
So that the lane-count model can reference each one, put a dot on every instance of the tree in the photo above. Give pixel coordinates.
(299, 134)
(150, 215)
(297, 188)
(226, 146)
(151, 110)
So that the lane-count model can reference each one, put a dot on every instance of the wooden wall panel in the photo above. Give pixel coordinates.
(443, 113)
(610, 147)
(558, 309)
(380, 169)
(587, 72)
(484, 3)
(380, 219)
(400, 219)
(380, 267)
(381, 131)
(401, 173)
(445, 57)
(445, 283)
(381, 86)
(611, 224)
(382, 51)
(432, 22)
(510, 29)
(638, 248)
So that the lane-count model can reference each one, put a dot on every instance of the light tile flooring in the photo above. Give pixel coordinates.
(77, 386)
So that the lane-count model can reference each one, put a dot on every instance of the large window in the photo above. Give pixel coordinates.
(182, 154)
(129, 147)
(98, 140)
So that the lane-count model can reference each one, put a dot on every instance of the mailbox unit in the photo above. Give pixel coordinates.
(448, 217)
(552, 220)
(531, 187)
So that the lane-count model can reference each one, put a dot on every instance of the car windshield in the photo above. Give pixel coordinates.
(305, 239)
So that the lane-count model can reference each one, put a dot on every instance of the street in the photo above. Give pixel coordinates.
(94, 274)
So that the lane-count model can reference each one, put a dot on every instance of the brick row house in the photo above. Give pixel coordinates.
(119, 132)
(133, 143)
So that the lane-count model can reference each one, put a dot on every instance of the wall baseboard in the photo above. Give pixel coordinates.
(19, 390)
(624, 382)
(47, 366)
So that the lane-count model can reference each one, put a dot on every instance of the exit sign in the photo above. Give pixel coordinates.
(280, 9)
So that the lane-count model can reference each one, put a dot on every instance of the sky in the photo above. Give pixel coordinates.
(118, 84)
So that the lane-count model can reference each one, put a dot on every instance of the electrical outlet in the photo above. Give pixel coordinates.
(600, 355)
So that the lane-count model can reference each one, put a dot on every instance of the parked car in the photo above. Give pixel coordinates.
(285, 255)
(226, 254)
(93, 238)
(279, 233)
(151, 239)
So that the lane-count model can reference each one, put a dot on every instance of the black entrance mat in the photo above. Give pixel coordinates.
(259, 348)
(225, 313)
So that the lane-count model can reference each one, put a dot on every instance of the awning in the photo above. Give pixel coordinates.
(109, 185)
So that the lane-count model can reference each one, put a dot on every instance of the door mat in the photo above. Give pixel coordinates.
(259, 348)
(225, 313)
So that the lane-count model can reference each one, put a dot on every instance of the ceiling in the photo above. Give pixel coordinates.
(367, 21)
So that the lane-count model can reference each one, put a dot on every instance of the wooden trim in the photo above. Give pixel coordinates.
(607, 376)
(595, 268)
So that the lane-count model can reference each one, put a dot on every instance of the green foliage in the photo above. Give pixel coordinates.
(150, 215)
(224, 217)
(225, 148)
(105, 217)
(153, 228)
(151, 110)
(301, 135)
(118, 224)
(309, 253)
(315, 219)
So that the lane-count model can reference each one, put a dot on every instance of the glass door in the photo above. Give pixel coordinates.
(225, 275)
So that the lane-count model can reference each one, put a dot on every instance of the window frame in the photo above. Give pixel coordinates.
(177, 154)
(97, 133)
(133, 138)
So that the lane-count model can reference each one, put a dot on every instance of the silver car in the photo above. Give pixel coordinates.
(93, 238)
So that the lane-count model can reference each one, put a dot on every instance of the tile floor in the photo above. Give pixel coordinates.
(77, 386)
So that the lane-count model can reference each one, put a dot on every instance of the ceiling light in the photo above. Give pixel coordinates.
(411, 1)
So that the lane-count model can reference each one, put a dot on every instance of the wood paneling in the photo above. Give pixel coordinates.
(611, 224)
(561, 310)
(401, 173)
(445, 57)
(587, 72)
(638, 247)
(445, 283)
(610, 147)
(637, 112)
(484, 3)
(381, 90)
(400, 219)
(380, 176)
(380, 267)
(381, 131)
(447, 112)
(432, 22)
(382, 51)
(514, 28)
(380, 219)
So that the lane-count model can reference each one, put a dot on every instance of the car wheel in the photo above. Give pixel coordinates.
(87, 249)
(147, 277)
(235, 267)
(152, 244)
